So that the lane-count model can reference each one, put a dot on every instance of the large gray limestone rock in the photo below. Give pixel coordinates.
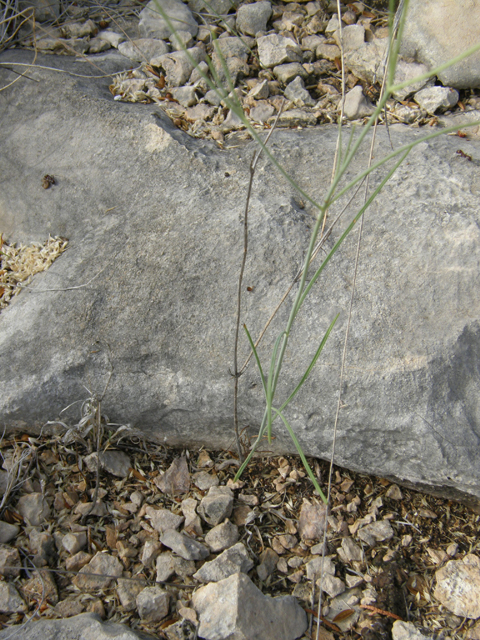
(147, 286)
(86, 625)
(437, 31)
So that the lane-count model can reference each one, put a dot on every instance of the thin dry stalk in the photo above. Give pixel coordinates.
(236, 373)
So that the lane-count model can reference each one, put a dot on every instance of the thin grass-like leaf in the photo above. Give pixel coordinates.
(302, 456)
(312, 364)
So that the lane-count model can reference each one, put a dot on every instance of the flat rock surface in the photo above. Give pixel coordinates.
(146, 289)
(85, 625)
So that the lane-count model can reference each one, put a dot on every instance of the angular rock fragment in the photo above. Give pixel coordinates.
(356, 104)
(176, 479)
(162, 519)
(41, 587)
(153, 25)
(376, 532)
(235, 608)
(458, 586)
(311, 523)
(128, 591)
(274, 50)
(222, 536)
(107, 568)
(34, 508)
(143, 49)
(74, 542)
(268, 562)
(10, 600)
(252, 18)
(9, 561)
(115, 462)
(153, 604)
(8, 531)
(231, 561)
(349, 551)
(184, 546)
(42, 545)
(434, 99)
(216, 505)
(86, 625)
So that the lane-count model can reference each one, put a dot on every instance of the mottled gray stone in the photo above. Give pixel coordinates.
(356, 104)
(252, 18)
(407, 631)
(222, 536)
(42, 546)
(268, 562)
(9, 561)
(152, 604)
(115, 462)
(232, 47)
(221, 7)
(226, 564)
(204, 480)
(181, 40)
(434, 99)
(274, 50)
(74, 542)
(287, 72)
(297, 93)
(349, 551)
(128, 591)
(153, 25)
(353, 37)
(10, 599)
(412, 382)
(34, 508)
(178, 66)
(163, 519)
(112, 37)
(331, 585)
(458, 586)
(143, 49)
(80, 627)
(314, 567)
(187, 97)
(376, 532)
(184, 546)
(8, 531)
(104, 565)
(216, 505)
(236, 608)
(427, 39)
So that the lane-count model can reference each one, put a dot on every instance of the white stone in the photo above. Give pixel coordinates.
(252, 18)
(458, 586)
(274, 50)
(153, 604)
(153, 25)
(433, 99)
(356, 104)
(406, 631)
(231, 561)
(222, 536)
(435, 32)
(236, 608)
(376, 532)
(184, 546)
(10, 600)
(218, 503)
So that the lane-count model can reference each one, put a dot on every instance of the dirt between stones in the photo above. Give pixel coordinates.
(393, 578)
